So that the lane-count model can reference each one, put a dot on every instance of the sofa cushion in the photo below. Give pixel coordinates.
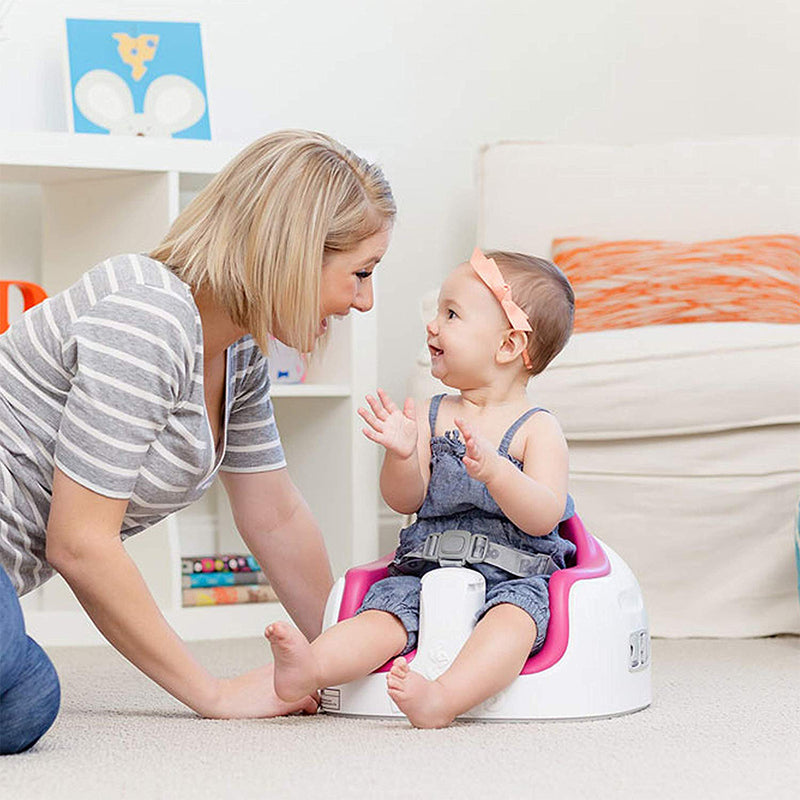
(673, 379)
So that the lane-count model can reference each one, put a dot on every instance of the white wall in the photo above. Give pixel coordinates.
(420, 85)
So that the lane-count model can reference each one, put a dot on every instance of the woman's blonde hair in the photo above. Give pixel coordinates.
(256, 236)
(545, 294)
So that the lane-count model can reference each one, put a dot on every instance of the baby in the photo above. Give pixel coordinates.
(484, 461)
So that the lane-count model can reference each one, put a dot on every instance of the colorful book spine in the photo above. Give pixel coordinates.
(192, 565)
(204, 579)
(228, 595)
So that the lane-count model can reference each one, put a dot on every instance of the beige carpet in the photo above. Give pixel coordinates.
(725, 723)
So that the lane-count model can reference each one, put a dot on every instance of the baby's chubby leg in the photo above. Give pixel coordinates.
(350, 649)
(489, 661)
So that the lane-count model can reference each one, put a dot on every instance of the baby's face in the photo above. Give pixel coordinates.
(467, 330)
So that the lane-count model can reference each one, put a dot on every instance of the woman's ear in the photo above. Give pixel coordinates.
(514, 342)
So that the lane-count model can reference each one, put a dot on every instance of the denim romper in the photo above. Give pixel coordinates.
(455, 500)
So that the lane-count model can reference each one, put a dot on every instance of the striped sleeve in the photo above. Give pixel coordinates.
(133, 361)
(253, 441)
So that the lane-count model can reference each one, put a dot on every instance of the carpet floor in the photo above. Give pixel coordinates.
(725, 723)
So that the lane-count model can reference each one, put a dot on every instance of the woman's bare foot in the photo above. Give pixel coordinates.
(295, 668)
(424, 702)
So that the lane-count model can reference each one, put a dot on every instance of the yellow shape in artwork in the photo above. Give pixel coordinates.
(134, 51)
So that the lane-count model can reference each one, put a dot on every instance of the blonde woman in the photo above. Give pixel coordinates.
(123, 396)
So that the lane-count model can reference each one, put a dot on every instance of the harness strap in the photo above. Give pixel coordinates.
(455, 548)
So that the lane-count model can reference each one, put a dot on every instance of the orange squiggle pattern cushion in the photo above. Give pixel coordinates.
(627, 284)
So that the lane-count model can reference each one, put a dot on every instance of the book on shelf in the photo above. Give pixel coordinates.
(228, 595)
(223, 579)
(199, 580)
(218, 562)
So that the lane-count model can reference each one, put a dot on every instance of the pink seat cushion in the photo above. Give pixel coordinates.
(591, 561)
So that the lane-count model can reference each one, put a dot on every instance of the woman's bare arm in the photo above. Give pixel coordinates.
(278, 527)
(84, 546)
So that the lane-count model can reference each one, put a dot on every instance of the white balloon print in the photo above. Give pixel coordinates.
(172, 103)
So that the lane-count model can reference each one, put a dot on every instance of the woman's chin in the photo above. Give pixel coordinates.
(322, 329)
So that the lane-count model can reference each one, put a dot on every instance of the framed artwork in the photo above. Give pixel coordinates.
(137, 78)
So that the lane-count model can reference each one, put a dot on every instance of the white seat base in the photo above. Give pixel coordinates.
(604, 671)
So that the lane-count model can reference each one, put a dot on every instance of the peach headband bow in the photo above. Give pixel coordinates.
(488, 271)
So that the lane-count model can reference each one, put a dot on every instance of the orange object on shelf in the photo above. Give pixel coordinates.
(31, 295)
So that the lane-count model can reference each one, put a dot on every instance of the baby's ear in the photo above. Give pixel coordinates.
(514, 342)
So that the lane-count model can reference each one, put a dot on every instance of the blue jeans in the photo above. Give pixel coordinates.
(29, 689)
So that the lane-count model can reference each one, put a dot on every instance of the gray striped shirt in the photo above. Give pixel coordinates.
(105, 380)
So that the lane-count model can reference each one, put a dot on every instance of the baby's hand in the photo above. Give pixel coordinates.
(480, 459)
(396, 430)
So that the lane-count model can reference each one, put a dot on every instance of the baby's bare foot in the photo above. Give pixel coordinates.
(295, 675)
(424, 702)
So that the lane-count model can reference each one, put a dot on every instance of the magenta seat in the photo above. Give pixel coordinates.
(591, 561)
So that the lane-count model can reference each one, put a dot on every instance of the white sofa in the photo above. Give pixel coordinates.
(684, 439)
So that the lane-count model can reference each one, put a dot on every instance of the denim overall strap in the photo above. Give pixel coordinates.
(515, 426)
(433, 412)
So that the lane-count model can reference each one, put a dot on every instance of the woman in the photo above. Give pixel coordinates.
(123, 396)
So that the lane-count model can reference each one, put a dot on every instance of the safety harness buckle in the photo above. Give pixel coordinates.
(455, 548)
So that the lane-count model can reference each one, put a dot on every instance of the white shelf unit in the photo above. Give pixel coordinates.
(68, 201)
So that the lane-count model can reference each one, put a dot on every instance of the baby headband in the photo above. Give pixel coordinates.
(490, 274)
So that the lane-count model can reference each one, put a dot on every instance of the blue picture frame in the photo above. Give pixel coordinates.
(137, 78)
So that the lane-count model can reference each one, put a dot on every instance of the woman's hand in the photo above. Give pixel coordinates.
(252, 695)
(396, 430)
(481, 460)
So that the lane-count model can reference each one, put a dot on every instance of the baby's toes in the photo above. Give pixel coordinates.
(399, 667)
